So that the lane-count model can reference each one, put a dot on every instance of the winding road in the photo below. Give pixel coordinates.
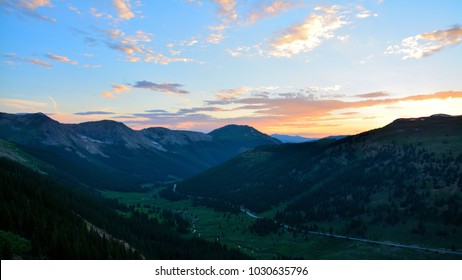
(386, 243)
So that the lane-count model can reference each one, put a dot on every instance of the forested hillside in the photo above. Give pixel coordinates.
(405, 177)
(44, 219)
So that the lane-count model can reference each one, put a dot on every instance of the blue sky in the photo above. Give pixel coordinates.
(312, 68)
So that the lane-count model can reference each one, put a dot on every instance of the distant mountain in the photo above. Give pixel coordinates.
(110, 155)
(299, 139)
(292, 138)
(241, 133)
(399, 182)
(336, 137)
(241, 138)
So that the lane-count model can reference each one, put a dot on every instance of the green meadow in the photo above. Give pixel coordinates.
(233, 231)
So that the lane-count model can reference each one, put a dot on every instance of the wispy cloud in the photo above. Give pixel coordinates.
(310, 33)
(195, 110)
(197, 2)
(215, 38)
(324, 89)
(53, 102)
(120, 88)
(97, 14)
(157, 111)
(373, 94)
(13, 58)
(218, 33)
(39, 62)
(297, 112)
(218, 27)
(108, 94)
(90, 113)
(168, 88)
(29, 7)
(60, 58)
(24, 105)
(228, 13)
(364, 13)
(123, 8)
(159, 58)
(74, 9)
(130, 45)
(136, 47)
(116, 90)
(92, 66)
(33, 4)
(232, 93)
(425, 44)
(301, 106)
(226, 9)
(247, 51)
(272, 9)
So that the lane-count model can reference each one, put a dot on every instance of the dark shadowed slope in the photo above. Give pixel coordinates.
(405, 177)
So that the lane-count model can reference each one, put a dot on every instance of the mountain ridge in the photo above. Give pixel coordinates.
(111, 155)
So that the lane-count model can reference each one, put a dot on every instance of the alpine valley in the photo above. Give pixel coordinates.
(100, 190)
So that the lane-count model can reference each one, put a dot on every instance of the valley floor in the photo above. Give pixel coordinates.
(233, 230)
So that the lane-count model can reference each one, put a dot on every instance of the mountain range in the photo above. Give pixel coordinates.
(292, 138)
(300, 139)
(401, 182)
(109, 155)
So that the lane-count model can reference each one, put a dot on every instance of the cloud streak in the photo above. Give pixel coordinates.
(25, 105)
(306, 106)
(373, 94)
(53, 102)
(297, 112)
(363, 13)
(272, 9)
(29, 7)
(91, 113)
(13, 57)
(33, 4)
(39, 62)
(426, 44)
(167, 88)
(232, 93)
(60, 58)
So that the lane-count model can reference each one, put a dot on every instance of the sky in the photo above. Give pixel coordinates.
(310, 68)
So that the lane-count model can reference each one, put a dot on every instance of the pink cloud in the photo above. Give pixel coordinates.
(425, 44)
(123, 8)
